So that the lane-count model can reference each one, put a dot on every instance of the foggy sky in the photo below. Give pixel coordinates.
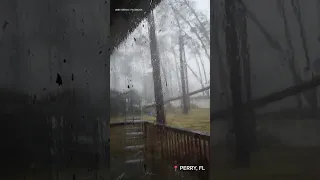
(143, 56)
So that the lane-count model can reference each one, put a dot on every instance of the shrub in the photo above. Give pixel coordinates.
(194, 106)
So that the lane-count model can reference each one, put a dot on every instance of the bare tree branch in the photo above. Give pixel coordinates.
(297, 11)
(273, 43)
(272, 97)
(189, 24)
(201, 28)
(291, 53)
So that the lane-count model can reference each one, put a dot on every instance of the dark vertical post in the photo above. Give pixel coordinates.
(245, 57)
(155, 61)
(232, 49)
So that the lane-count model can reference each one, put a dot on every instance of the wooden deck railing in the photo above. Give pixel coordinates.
(177, 146)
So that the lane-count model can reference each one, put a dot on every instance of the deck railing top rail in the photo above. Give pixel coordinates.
(177, 129)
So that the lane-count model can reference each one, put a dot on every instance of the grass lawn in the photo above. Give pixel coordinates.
(197, 119)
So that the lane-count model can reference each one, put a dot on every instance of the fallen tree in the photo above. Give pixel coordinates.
(275, 96)
(180, 97)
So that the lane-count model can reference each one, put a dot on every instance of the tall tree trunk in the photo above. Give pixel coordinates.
(200, 74)
(177, 70)
(297, 12)
(165, 77)
(171, 69)
(114, 75)
(144, 83)
(155, 61)
(170, 80)
(203, 67)
(291, 53)
(183, 78)
(186, 73)
(185, 102)
(224, 96)
(245, 57)
(232, 51)
(313, 93)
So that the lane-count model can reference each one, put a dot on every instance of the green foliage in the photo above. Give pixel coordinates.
(118, 102)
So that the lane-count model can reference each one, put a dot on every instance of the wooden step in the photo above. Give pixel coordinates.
(133, 128)
(134, 134)
(134, 147)
(136, 121)
(134, 138)
(134, 161)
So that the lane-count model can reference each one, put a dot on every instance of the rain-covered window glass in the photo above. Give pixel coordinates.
(54, 89)
(161, 74)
